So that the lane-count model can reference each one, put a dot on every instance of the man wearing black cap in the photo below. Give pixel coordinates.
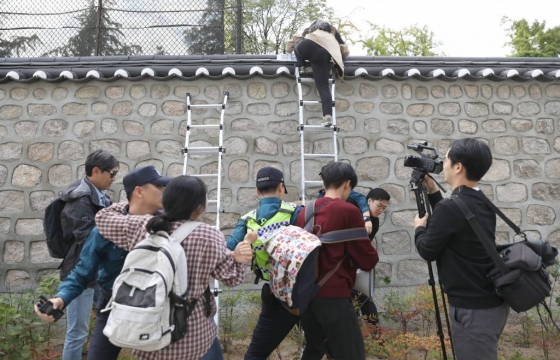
(275, 322)
(144, 190)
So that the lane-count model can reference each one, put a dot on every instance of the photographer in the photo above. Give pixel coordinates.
(478, 315)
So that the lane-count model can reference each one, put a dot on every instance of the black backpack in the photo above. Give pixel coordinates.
(52, 225)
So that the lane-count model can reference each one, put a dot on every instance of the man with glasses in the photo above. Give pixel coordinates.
(83, 199)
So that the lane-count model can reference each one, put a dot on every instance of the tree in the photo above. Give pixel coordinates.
(85, 42)
(16, 45)
(410, 41)
(208, 37)
(532, 40)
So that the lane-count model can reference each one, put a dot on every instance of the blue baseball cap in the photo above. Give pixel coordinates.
(268, 177)
(142, 176)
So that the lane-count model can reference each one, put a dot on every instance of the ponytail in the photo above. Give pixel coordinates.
(158, 223)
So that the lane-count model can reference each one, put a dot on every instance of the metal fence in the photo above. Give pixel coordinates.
(119, 27)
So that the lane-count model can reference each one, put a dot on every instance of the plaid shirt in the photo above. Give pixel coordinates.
(207, 258)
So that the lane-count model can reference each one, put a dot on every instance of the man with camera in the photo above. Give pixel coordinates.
(478, 315)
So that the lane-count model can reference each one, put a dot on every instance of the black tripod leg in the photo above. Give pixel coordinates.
(432, 283)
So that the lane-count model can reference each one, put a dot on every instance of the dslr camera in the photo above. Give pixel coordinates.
(46, 307)
(424, 163)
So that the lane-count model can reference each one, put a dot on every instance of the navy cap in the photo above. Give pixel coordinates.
(268, 177)
(142, 176)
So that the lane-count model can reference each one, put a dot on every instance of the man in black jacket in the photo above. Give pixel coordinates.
(478, 315)
(84, 198)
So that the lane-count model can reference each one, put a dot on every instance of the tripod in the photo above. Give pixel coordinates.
(423, 204)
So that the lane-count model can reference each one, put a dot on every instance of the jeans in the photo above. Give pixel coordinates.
(100, 348)
(320, 60)
(78, 313)
(214, 353)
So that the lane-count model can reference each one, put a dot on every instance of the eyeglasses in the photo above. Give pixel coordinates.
(112, 173)
(380, 206)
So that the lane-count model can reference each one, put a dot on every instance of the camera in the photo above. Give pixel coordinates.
(46, 307)
(424, 163)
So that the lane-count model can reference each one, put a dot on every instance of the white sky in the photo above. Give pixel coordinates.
(466, 28)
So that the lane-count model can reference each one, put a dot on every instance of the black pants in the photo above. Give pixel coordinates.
(100, 348)
(333, 320)
(367, 307)
(320, 60)
(274, 324)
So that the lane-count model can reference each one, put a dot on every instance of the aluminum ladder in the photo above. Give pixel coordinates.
(216, 150)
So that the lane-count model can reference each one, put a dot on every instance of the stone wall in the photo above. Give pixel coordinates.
(47, 130)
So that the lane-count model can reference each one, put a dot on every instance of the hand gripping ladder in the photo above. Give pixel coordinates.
(216, 150)
(304, 128)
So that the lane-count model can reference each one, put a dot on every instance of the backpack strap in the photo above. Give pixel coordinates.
(184, 230)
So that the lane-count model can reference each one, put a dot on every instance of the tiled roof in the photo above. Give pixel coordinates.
(110, 68)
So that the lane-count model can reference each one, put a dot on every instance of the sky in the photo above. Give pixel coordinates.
(469, 28)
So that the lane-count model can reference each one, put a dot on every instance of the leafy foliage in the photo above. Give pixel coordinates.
(532, 40)
(209, 37)
(410, 41)
(16, 45)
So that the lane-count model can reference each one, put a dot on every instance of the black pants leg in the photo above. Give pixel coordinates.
(320, 60)
(100, 348)
(367, 307)
(274, 324)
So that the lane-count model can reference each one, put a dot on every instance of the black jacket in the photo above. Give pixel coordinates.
(78, 219)
(461, 259)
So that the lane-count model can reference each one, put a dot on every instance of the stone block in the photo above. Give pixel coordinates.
(238, 171)
(212, 132)
(442, 126)
(420, 110)
(553, 91)
(487, 190)
(557, 144)
(389, 146)
(234, 90)
(3, 174)
(211, 168)
(133, 128)
(55, 128)
(83, 129)
(494, 126)
(181, 91)
(389, 91)
(11, 201)
(123, 108)
(546, 192)
(382, 272)
(500, 170)
(285, 109)
(438, 92)
(212, 92)
(421, 93)
(174, 108)
(512, 192)
(176, 169)
(535, 92)
(345, 123)
(29, 227)
(368, 91)
(323, 146)
(147, 110)
(552, 168)
(362, 107)
(39, 94)
(160, 91)
(227, 221)
(249, 125)
(519, 91)
(412, 270)
(396, 192)
(19, 94)
(471, 91)
(286, 127)
(14, 251)
(502, 108)
(503, 91)
(256, 90)
(17, 278)
(312, 170)
(39, 253)
(114, 92)
(60, 175)
(59, 93)
(521, 125)
(391, 108)
(528, 108)
(41, 110)
(226, 196)
(26, 176)
(372, 168)
(468, 126)
(3, 132)
(540, 215)
(476, 109)
(402, 172)
(502, 237)
(26, 129)
(420, 126)
(449, 109)
(403, 217)
(396, 243)
(158, 164)
(99, 108)
(10, 151)
(111, 145)
(398, 127)
(545, 126)
(526, 169)
(40, 199)
(162, 127)
(550, 108)
(109, 126)
(344, 89)
(372, 126)
(171, 148)
(535, 146)
(280, 90)
(294, 148)
(554, 238)
(455, 92)
(264, 145)
(235, 145)
(88, 92)
(137, 91)
(514, 214)
(406, 91)
(354, 145)
(342, 105)
(70, 150)
(5, 224)
(261, 109)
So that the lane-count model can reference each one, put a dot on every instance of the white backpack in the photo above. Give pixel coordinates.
(148, 306)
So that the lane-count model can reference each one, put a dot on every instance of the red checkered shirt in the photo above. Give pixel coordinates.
(207, 258)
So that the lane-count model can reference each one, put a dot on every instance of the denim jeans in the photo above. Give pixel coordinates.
(214, 353)
(78, 313)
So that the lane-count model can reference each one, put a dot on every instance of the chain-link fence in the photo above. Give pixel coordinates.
(119, 27)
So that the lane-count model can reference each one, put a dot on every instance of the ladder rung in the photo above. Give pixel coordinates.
(206, 105)
(211, 126)
(314, 183)
(212, 201)
(309, 102)
(202, 149)
(317, 128)
(205, 175)
(310, 156)
(310, 79)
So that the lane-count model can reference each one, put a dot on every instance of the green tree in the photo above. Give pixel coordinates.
(84, 43)
(532, 40)
(410, 41)
(16, 45)
(208, 37)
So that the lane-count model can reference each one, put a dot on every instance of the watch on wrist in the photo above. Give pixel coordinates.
(367, 218)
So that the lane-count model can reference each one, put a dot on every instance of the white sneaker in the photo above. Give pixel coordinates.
(327, 121)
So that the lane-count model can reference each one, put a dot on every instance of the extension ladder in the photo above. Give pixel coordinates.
(216, 150)
(305, 128)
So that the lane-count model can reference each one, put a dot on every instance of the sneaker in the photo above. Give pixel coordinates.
(302, 70)
(327, 121)
(307, 70)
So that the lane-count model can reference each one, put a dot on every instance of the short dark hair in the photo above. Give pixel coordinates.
(473, 154)
(336, 173)
(378, 194)
(101, 159)
(181, 197)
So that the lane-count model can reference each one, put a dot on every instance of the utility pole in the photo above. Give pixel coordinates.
(98, 30)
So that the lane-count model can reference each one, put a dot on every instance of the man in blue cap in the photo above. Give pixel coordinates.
(144, 190)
